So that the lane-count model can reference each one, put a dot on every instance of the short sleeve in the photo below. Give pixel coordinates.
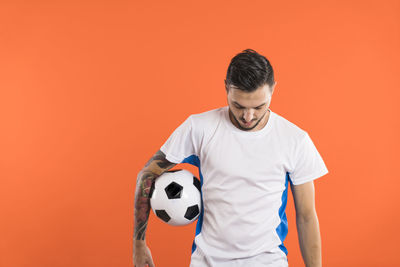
(309, 164)
(180, 143)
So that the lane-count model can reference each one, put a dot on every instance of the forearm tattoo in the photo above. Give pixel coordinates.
(145, 180)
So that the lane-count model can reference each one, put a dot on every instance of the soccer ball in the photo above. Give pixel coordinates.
(175, 197)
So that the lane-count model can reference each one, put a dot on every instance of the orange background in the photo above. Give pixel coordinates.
(90, 90)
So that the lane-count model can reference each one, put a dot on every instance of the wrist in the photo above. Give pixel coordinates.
(139, 243)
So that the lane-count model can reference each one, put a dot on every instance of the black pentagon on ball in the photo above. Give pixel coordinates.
(163, 215)
(196, 183)
(192, 212)
(173, 190)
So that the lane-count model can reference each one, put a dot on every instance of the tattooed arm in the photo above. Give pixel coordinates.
(156, 166)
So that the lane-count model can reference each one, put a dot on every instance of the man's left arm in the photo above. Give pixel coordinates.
(307, 224)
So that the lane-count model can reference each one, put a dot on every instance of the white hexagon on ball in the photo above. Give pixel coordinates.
(175, 197)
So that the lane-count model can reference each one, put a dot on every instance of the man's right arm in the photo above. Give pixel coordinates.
(156, 166)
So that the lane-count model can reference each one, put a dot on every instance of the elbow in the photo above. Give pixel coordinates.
(307, 216)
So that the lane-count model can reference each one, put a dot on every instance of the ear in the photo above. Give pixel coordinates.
(226, 87)
(273, 87)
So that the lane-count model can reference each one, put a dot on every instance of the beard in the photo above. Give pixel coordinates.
(246, 128)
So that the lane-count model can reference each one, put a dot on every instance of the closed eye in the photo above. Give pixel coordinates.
(258, 108)
(240, 107)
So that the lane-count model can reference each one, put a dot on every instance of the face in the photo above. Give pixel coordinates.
(249, 111)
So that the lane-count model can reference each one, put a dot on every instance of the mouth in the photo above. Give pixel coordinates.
(247, 123)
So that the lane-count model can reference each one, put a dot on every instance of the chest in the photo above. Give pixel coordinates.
(232, 160)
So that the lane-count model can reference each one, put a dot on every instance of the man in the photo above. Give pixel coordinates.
(247, 155)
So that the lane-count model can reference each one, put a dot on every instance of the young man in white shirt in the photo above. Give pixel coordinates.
(247, 156)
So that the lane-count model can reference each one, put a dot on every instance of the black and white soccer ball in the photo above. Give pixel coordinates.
(175, 197)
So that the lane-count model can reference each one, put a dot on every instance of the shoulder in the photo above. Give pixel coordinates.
(205, 124)
(206, 118)
(288, 129)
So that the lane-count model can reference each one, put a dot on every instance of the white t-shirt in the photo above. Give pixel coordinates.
(244, 179)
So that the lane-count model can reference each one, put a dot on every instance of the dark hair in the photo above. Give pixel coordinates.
(248, 71)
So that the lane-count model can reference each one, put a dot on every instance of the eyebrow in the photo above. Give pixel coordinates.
(237, 104)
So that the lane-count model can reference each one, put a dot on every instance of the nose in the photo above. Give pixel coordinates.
(248, 115)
